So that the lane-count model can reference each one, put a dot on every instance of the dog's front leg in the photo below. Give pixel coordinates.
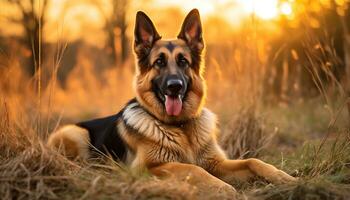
(194, 175)
(250, 168)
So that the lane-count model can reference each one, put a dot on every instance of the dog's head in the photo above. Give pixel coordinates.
(169, 81)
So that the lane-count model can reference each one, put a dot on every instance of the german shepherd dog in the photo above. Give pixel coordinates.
(165, 129)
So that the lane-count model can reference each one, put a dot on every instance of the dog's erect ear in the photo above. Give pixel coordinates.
(145, 32)
(191, 31)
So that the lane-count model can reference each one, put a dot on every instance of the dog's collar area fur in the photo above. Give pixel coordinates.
(135, 116)
(177, 123)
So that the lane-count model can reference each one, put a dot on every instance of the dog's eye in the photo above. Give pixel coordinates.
(160, 61)
(181, 61)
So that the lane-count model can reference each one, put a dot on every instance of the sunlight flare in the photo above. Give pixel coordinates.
(286, 8)
(266, 9)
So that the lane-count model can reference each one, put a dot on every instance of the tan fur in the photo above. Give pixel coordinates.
(249, 168)
(160, 142)
(196, 93)
(194, 175)
(180, 47)
(72, 140)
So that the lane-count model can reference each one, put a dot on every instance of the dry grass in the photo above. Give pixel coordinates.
(29, 170)
(246, 135)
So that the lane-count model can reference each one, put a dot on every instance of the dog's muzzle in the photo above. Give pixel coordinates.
(173, 96)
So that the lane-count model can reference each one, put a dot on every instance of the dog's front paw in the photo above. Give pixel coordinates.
(280, 177)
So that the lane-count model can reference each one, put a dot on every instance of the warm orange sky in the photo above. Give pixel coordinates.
(72, 19)
(81, 19)
(265, 9)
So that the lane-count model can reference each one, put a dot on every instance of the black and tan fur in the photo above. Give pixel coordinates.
(144, 136)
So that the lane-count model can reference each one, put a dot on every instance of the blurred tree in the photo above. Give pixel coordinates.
(318, 42)
(118, 20)
(32, 20)
(115, 27)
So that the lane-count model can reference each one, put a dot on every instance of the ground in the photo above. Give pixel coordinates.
(302, 144)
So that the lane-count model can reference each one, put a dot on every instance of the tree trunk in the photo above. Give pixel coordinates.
(124, 43)
(35, 45)
(285, 80)
(33, 22)
(111, 45)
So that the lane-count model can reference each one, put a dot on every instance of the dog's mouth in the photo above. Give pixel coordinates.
(172, 98)
(173, 105)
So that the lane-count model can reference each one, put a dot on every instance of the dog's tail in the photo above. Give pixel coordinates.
(71, 140)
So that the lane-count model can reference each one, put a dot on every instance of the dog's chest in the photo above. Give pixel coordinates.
(166, 143)
(178, 144)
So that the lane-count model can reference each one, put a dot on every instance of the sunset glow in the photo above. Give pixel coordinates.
(263, 9)
(266, 9)
(286, 8)
(84, 19)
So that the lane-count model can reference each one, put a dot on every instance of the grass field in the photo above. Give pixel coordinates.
(303, 138)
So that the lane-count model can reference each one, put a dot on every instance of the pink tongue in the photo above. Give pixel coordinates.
(173, 105)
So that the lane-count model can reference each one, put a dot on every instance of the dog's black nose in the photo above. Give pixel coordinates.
(174, 86)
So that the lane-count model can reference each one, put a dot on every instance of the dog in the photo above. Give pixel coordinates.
(165, 128)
